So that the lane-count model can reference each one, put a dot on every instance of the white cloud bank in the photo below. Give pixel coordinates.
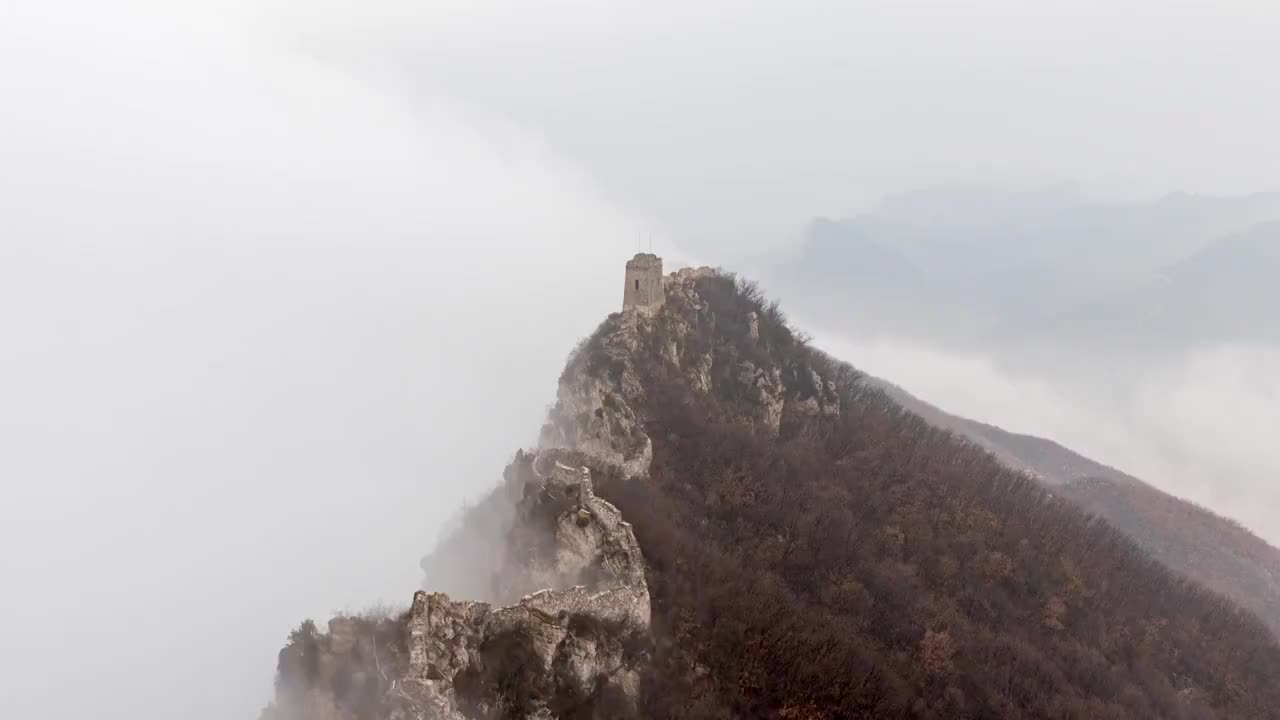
(265, 325)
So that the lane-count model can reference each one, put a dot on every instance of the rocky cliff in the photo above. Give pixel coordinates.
(573, 645)
(564, 626)
(569, 646)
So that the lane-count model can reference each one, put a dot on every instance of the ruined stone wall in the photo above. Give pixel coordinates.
(557, 650)
(644, 282)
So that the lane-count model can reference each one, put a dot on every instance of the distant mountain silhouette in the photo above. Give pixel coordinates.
(979, 266)
(1043, 458)
(1227, 291)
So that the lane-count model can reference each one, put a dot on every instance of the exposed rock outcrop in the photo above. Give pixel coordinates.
(564, 627)
(554, 650)
(597, 400)
(571, 642)
(600, 400)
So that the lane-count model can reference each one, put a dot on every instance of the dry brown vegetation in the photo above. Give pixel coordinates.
(1203, 546)
(868, 565)
(1208, 548)
(872, 565)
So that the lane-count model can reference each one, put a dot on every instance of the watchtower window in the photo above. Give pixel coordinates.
(637, 284)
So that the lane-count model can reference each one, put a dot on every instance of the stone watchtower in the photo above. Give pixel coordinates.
(644, 283)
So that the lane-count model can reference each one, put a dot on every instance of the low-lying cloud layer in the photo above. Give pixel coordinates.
(735, 122)
(266, 325)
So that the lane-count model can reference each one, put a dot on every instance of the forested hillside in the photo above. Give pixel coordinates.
(1190, 539)
(809, 549)
(867, 564)
(1213, 550)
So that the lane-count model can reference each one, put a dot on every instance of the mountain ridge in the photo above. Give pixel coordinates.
(811, 549)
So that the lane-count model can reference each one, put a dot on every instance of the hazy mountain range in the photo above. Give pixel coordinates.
(980, 266)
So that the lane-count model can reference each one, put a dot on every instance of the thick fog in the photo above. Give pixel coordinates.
(731, 120)
(282, 284)
(266, 325)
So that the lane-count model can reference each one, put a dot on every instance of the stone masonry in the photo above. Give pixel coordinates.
(644, 286)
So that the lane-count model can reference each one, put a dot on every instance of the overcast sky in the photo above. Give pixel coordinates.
(730, 119)
(283, 283)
